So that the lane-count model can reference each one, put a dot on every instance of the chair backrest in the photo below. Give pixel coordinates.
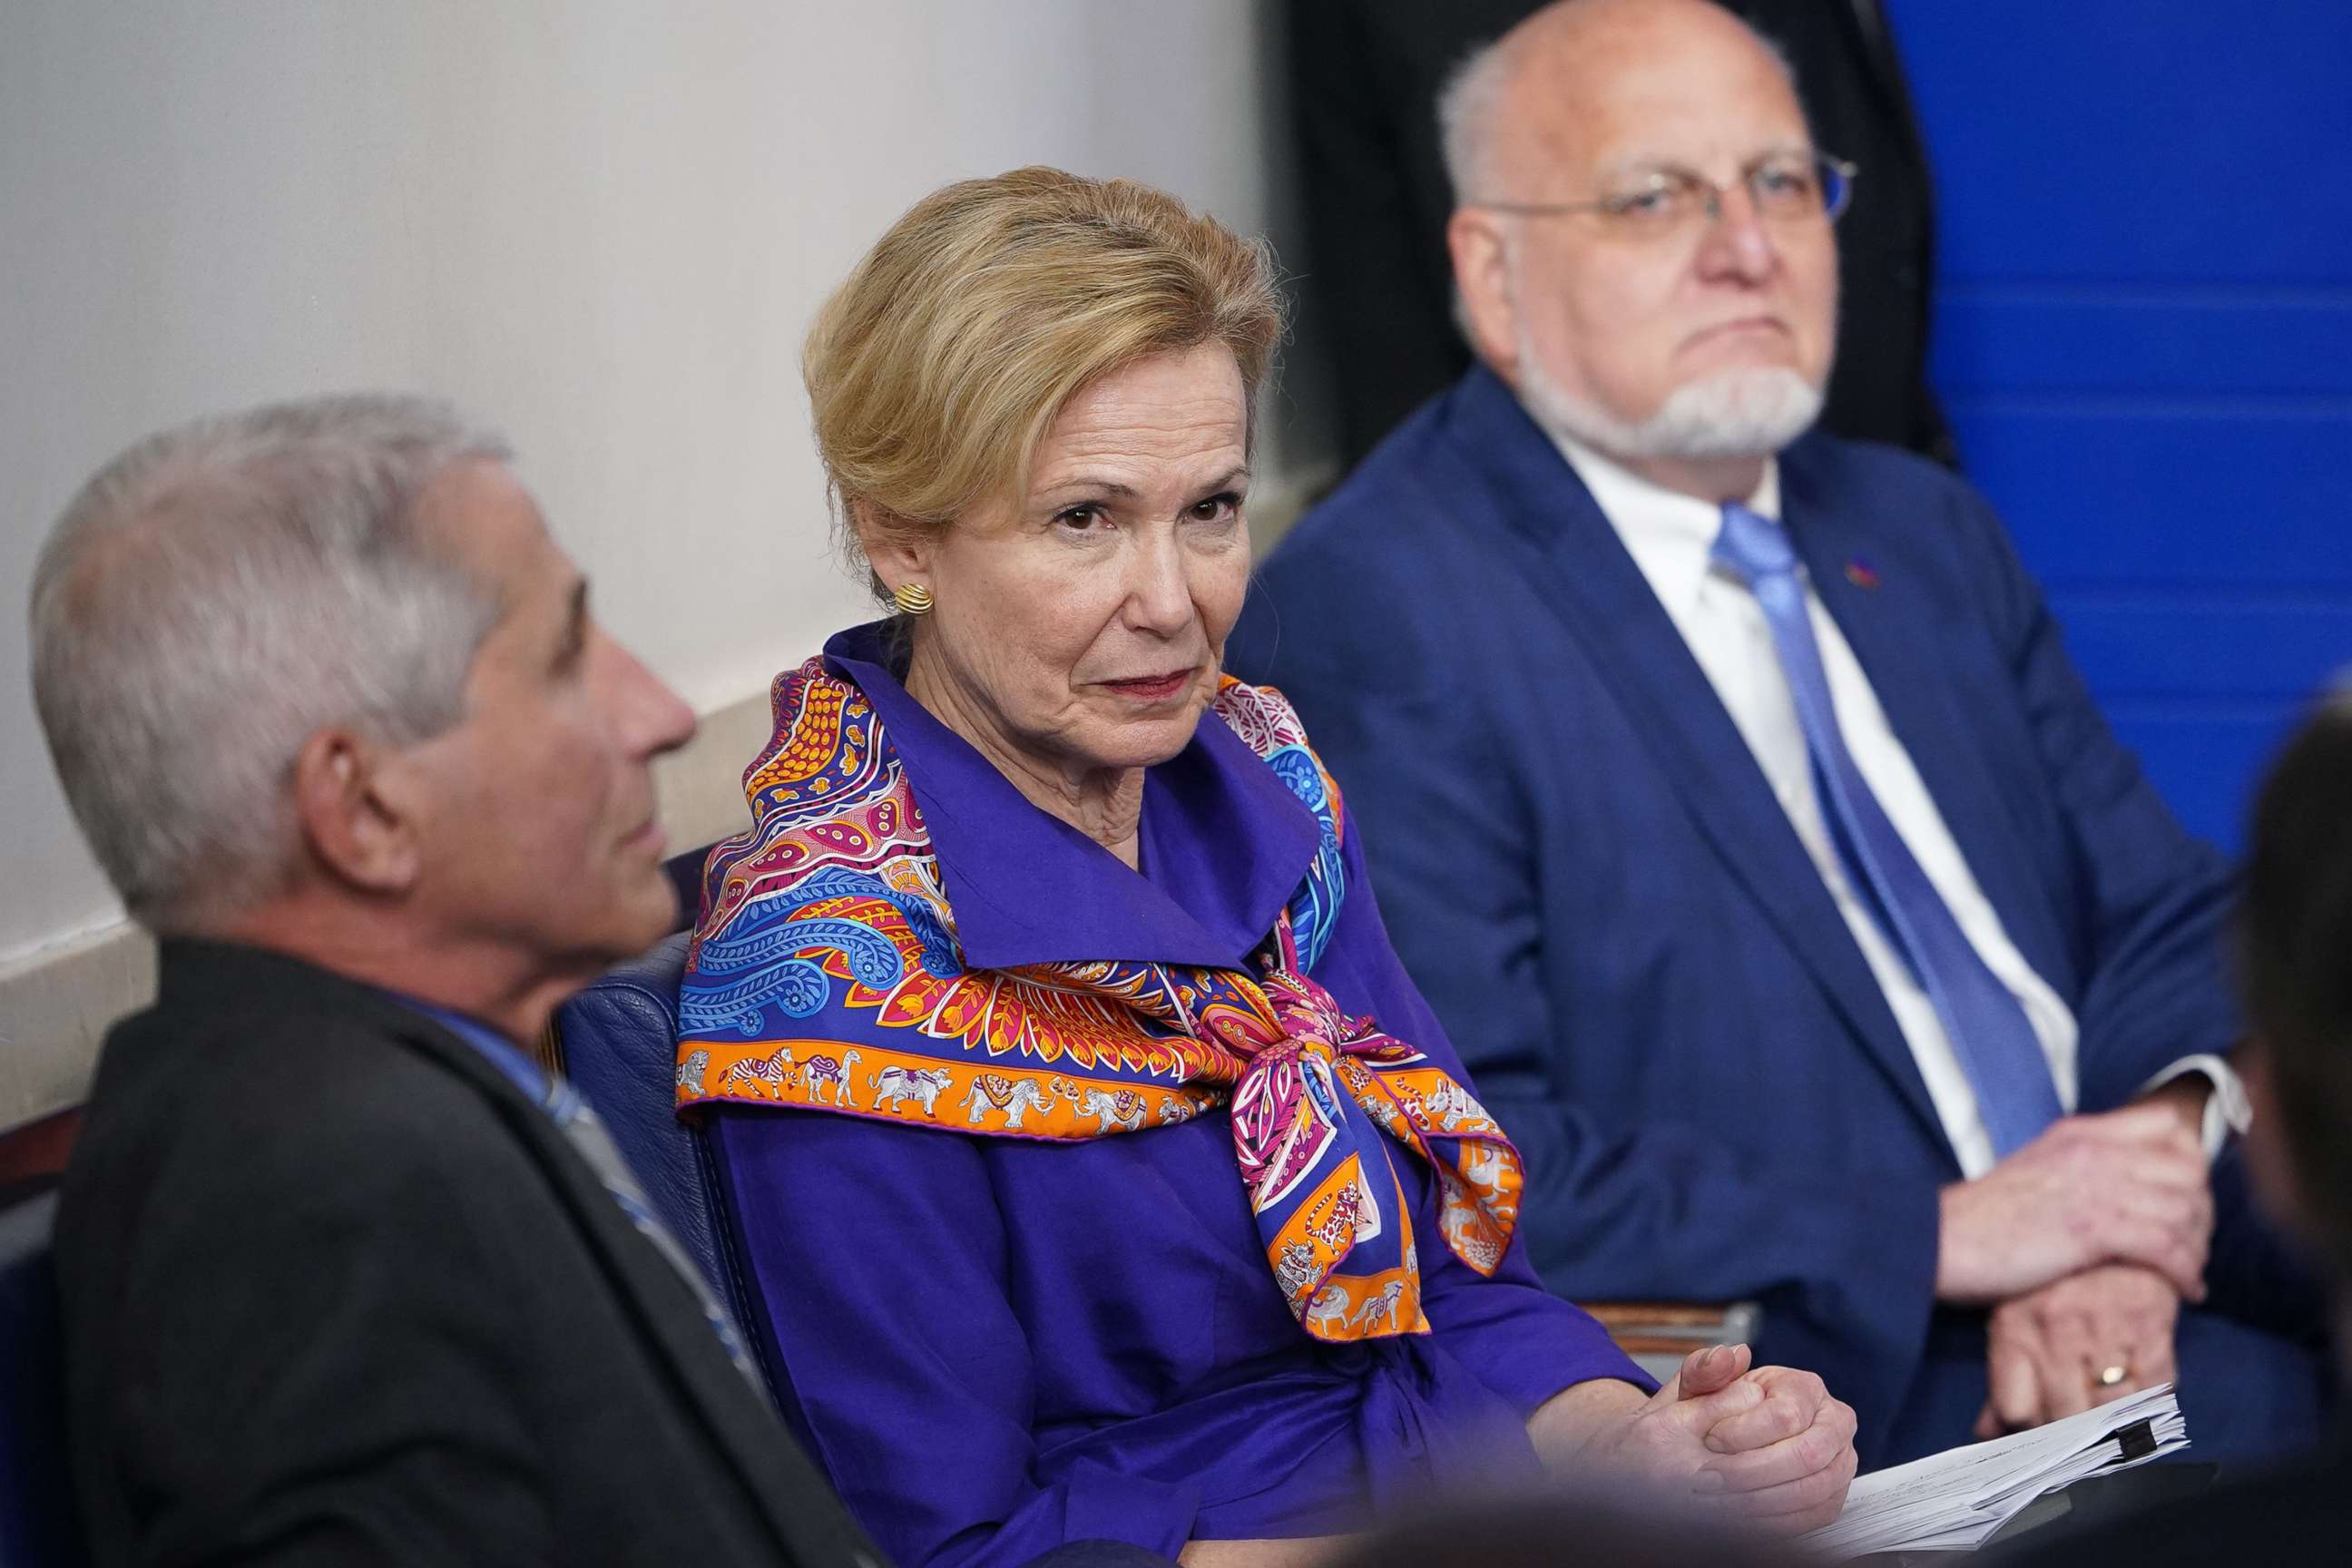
(39, 1526)
(617, 1042)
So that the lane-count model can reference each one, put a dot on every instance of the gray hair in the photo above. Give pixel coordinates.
(217, 594)
(1470, 106)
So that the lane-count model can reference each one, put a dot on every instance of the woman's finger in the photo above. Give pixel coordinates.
(1701, 1413)
(1716, 1367)
(1788, 1409)
(1791, 1459)
(1797, 1506)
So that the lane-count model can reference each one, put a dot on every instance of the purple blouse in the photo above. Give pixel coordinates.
(998, 1345)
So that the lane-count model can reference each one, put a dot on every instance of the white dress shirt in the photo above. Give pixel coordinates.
(1671, 536)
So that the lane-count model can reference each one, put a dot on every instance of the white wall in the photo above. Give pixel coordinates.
(601, 225)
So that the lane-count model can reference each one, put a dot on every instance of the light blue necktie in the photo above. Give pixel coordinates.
(1989, 1029)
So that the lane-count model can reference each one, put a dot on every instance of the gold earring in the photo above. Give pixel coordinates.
(913, 598)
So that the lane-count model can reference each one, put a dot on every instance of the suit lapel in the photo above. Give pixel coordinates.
(1608, 606)
(1880, 623)
(798, 1501)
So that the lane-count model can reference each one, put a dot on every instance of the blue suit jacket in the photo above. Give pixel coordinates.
(1586, 872)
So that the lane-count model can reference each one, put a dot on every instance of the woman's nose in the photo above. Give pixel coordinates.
(1159, 592)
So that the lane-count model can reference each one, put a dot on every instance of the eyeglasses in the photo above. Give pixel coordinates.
(1785, 188)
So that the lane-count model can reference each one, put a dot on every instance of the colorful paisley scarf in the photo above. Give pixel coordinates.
(825, 974)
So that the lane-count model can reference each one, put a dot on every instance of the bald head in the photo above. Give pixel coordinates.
(1641, 236)
(1539, 97)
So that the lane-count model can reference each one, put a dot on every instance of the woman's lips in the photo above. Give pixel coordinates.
(1152, 688)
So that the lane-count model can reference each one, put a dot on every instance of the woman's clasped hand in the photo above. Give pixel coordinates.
(1765, 1445)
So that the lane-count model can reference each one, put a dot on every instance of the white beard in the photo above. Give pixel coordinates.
(1732, 413)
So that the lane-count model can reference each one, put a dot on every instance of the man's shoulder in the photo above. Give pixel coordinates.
(1398, 563)
(1416, 582)
(1867, 473)
(1388, 508)
(1909, 511)
(305, 1092)
(1425, 472)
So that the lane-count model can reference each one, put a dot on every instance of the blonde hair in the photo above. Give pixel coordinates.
(934, 371)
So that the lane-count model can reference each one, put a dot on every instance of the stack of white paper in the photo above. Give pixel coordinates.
(1954, 1501)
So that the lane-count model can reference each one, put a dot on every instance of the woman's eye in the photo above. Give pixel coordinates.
(1217, 508)
(1082, 519)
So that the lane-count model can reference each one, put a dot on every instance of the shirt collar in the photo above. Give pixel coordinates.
(502, 1053)
(1670, 535)
(1223, 843)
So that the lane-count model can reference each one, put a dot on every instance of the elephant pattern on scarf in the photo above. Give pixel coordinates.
(923, 1085)
(1014, 1097)
(1120, 1108)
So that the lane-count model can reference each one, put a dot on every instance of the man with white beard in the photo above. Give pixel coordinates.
(1731, 796)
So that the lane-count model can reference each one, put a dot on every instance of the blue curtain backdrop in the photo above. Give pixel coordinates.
(2143, 336)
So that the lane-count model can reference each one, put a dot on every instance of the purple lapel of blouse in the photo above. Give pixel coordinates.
(1224, 844)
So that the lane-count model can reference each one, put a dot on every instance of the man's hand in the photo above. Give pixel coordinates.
(2047, 1349)
(2185, 1097)
(2128, 1186)
(1768, 1447)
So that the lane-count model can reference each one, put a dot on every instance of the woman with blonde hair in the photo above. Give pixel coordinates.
(1098, 1169)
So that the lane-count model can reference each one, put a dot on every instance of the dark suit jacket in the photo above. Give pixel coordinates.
(335, 1291)
(1365, 76)
(1585, 871)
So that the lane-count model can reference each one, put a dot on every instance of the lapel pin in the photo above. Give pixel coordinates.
(1862, 574)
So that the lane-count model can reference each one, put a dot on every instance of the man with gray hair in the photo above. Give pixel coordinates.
(1733, 799)
(345, 1276)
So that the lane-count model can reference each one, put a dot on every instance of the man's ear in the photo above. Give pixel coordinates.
(358, 823)
(899, 553)
(1482, 280)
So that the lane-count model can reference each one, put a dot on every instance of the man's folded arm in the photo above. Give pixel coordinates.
(2154, 899)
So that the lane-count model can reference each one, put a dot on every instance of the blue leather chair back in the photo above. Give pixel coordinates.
(618, 1040)
(39, 1527)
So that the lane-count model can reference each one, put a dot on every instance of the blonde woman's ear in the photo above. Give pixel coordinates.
(897, 549)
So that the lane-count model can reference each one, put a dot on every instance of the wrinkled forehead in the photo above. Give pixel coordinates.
(1172, 417)
(1710, 98)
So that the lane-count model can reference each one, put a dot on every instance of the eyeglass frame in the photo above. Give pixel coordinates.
(1846, 169)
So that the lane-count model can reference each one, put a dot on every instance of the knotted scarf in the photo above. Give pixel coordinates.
(825, 974)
